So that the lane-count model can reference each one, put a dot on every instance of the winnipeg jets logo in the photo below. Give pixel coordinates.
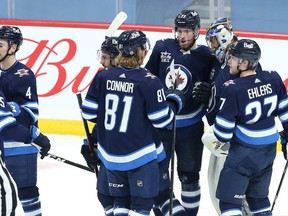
(165, 56)
(183, 78)
(178, 78)
(22, 72)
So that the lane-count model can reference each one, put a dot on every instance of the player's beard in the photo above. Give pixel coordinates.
(186, 44)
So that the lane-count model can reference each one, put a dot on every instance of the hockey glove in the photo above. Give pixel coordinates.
(283, 141)
(40, 141)
(90, 157)
(201, 92)
(15, 108)
(176, 97)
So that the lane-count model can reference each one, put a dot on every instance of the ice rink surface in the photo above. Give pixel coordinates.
(66, 190)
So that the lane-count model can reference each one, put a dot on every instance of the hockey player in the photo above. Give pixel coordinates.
(246, 120)
(108, 58)
(219, 36)
(9, 127)
(130, 102)
(18, 83)
(192, 63)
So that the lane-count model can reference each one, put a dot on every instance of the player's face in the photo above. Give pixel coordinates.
(233, 64)
(3, 48)
(185, 38)
(105, 60)
(213, 44)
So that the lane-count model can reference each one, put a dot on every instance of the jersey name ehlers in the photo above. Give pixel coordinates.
(114, 85)
(259, 91)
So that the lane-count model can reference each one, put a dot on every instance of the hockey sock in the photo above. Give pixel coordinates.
(190, 196)
(138, 213)
(230, 209)
(31, 207)
(120, 211)
(177, 210)
(109, 211)
(157, 211)
(263, 213)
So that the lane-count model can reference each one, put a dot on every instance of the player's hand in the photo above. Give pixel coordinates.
(15, 108)
(90, 157)
(201, 92)
(40, 141)
(176, 97)
(283, 141)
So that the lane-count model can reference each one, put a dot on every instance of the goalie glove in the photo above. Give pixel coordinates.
(90, 157)
(283, 141)
(217, 148)
(40, 141)
(201, 92)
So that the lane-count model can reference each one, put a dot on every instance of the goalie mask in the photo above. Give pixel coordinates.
(12, 34)
(218, 36)
(129, 42)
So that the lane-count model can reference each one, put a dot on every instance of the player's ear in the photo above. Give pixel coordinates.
(12, 49)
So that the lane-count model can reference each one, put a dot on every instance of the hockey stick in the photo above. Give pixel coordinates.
(280, 184)
(86, 128)
(172, 167)
(116, 23)
(63, 160)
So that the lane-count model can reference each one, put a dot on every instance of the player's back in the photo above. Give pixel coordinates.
(130, 103)
(253, 104)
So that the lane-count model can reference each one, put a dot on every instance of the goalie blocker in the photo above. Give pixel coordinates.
(217, 148)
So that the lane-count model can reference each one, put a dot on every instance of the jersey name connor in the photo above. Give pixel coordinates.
(259, 91)
(114, 85)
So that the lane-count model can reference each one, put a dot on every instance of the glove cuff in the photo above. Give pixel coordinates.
(176, 100)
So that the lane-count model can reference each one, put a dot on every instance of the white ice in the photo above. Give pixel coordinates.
(68, 190)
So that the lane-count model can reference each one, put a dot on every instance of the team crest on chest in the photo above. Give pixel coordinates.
(165, 56)
(22, 72)
(182, 80)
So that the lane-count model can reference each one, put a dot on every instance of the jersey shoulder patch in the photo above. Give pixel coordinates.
(22, 72)
(229, 82)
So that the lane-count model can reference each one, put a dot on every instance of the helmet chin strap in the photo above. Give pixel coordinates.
(239, 63)
(7, 54)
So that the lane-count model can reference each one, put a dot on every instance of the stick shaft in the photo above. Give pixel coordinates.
(63, 160)
(86, 128)
(280, 184)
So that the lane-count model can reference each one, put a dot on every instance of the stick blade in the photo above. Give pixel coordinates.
(116, 23)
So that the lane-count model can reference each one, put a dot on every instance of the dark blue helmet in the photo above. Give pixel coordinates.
(187, 19)
(12, 34)
(110, 46)
(246, 49)
(129, 42)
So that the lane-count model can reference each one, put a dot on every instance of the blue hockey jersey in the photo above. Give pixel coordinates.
(127, 104)
(189, 66)
(18, 84)
(248, 108)
(219, 75)
(9, 127)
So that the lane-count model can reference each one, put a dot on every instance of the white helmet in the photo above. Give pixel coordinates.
(222, 31)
